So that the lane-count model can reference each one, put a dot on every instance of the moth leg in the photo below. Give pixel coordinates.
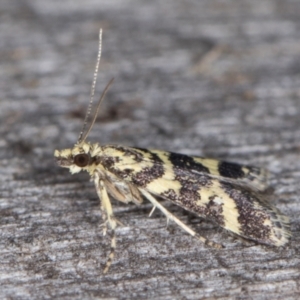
(104, 224)
(171, 217)
(152, 211)
(107, 215)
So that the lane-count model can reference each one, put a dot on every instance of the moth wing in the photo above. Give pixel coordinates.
(249, 177)
(213, 193)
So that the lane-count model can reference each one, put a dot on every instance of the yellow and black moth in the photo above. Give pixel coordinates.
(226, 193)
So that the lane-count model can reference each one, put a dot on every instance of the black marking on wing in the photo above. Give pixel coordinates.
(249, 177)
(253, 212)
(138, 157)
(141, 178)
(149, 174)
(184, 162)
(192, 177)
(230, 170)
(188, 200)
(250, 218)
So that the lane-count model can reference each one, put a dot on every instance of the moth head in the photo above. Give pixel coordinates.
(76, 159)
(80, 156)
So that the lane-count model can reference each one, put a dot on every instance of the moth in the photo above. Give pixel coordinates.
(228, 194)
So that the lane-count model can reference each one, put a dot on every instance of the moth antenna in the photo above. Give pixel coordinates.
(97, 111)
(92, 94)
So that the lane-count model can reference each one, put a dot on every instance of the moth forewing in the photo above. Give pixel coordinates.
(188, 183)
(225, 193)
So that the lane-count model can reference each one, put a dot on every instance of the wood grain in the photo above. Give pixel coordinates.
(213, 78)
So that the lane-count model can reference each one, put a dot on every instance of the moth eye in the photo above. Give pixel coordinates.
(81, 160)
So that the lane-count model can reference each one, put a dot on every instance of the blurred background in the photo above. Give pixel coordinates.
(216, 78)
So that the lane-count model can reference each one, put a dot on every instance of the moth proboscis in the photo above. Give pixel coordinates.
(226, 193)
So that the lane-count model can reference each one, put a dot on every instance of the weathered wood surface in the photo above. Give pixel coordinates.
(214, 78)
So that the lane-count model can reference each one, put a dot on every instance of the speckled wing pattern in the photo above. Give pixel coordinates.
(226, 193)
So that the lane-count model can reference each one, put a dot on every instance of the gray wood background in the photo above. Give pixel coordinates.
(217, 78)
